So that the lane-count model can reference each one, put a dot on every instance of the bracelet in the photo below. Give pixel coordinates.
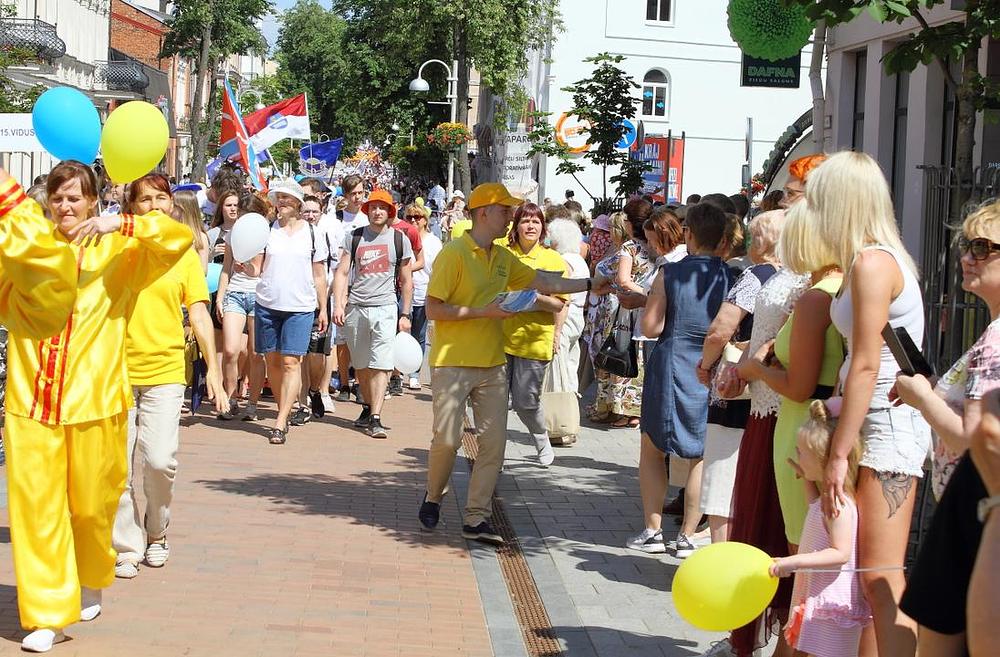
(406, 315)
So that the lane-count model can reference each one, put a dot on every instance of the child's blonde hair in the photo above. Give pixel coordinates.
(817, 434)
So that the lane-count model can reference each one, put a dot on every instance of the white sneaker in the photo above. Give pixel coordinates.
(648, 540)
(684, 546)
(90, 603)
(719, 649)
(328, 404)
(413, 383)
(42, 640)
(126, 570)
(546, 455)
(157, 553)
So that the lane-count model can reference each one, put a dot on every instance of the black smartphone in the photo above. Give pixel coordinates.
(908, 357)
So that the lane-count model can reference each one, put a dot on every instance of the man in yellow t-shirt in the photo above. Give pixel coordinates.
(468, 356)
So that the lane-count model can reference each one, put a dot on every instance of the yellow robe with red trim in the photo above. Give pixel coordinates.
(79, 375)
(37, 271)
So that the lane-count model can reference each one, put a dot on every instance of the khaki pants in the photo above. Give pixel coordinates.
(486, 389)
(63, 482)
(156, 434)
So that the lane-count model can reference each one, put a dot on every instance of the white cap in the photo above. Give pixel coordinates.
(459, 194)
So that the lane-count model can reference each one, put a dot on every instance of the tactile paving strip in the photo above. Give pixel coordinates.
(536, 628)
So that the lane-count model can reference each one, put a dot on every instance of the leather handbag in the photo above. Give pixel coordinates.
(618, 354)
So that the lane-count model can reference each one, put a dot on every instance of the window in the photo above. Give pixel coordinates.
(860, 79)
(654, 94)
(659, 10)
(899, 140)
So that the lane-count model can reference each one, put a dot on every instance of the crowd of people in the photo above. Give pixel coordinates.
(744, 344)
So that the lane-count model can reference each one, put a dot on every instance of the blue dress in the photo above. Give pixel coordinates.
(674, 402)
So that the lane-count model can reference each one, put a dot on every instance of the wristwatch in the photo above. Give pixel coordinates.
(406, 315)
(985, 506)
(590, 284)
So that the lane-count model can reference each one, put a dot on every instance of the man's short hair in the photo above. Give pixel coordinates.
(350, 182)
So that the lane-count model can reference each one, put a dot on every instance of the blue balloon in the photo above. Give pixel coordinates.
(67, 124)
(214, 272)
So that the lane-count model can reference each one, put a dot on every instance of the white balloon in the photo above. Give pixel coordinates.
(249, 236)
(407, 357)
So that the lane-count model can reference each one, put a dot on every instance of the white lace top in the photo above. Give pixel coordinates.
(774, 304)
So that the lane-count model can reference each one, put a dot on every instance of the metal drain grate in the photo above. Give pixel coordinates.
(536, 627)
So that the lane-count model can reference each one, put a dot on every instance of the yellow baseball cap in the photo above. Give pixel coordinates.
(492, 194)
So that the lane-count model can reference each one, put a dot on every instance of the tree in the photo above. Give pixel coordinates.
(945, 44)
(209, 31)
(602, 102)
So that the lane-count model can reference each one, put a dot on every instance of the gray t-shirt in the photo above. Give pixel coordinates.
(374, 266)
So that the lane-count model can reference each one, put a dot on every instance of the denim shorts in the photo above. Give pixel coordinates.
(894, 439)
(282, 331)
(239, 302)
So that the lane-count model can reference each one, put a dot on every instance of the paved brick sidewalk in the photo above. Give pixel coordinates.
(311, 548)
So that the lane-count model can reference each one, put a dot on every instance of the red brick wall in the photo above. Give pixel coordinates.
(138, 35)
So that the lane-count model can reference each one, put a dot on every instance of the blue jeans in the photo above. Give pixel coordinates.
(282, 331)
(418, 328)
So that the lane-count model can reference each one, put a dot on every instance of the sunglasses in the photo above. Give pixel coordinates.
(980, 248)
(414, 217)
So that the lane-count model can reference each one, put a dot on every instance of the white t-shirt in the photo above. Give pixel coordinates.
(352, 221)
(334, 232)
(286, 283)
(431, 248)
(577, 269)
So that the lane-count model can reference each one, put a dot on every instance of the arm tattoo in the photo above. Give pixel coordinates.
(895, 487)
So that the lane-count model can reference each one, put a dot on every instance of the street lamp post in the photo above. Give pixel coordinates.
(420, 85)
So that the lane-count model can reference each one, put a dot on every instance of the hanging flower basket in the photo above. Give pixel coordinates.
(769, 29)
(449, 136)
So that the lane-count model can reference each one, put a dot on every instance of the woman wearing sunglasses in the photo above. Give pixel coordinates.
(937, 587)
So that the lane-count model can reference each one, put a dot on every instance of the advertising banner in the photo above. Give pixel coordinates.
(665, 180)
(17, 134)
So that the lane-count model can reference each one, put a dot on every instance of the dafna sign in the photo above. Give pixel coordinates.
(781, 74)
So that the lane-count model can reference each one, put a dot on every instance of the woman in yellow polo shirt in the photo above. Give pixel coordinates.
(67, 407)
(154, 346)
(529, 337)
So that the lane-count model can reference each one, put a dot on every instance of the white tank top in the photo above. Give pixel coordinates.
(906, 311)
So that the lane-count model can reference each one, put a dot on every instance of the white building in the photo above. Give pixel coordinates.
(681, 52)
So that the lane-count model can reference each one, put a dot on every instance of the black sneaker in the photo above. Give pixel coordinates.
(300, 416)
(316, 402)
(230, 413)
(375, 428)
(483, 532)
(356, 391)
(365, 418)
(396, 386)
(429, 514)
(344, 395)
(675, 507)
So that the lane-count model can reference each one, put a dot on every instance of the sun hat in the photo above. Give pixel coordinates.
(492, 194)
(286, 186)
(603, 222)
(458, 194)
(380, 195)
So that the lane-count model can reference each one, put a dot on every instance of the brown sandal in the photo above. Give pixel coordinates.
(625, 422)
(277, 436)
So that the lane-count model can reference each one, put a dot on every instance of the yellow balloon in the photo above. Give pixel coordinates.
(723, 586)
(134, 141)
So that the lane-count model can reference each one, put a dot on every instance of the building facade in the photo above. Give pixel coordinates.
(689, 71)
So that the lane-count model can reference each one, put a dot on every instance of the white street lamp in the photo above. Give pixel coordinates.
(420, 85)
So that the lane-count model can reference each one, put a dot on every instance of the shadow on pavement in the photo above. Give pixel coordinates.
(649, 570)
(600, 641)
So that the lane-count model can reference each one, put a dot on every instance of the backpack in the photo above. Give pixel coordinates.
(397, 243)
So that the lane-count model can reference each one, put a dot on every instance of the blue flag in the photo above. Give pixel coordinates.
(319, 158)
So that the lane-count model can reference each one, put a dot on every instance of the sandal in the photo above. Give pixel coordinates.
(277, 436)
(626, 422)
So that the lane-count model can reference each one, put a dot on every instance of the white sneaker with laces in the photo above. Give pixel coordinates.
(157, 553)
(42, 640)
(719, 649)
(90, 603)
(413, 383)
(648, 540)
(328, 404)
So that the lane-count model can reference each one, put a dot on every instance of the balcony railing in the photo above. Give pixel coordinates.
(34, 35)
(122, 73)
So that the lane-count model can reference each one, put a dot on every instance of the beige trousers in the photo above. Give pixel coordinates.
(485, 388)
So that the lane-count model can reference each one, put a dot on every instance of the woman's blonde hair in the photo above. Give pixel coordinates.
(850, 208)
(187, 210)
(796, 247)
(765, 232)
(817, 434)
(984, 222)
(617, 228)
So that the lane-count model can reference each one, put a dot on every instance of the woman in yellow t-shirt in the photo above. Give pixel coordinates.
(67, 408)
(154, 346)
(531, 336)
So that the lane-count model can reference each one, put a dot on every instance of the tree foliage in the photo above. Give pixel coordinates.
(602, 102)
(12, 98)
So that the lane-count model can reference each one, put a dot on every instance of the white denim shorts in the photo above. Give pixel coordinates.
(894, 439)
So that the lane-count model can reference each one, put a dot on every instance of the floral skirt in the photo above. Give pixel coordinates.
(619, 395)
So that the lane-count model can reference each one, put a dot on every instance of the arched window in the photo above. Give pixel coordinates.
(655, 85)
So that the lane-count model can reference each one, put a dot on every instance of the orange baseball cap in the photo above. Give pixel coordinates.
(384, 197)
(492, 194)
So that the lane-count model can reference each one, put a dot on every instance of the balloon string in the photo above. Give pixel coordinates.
(848, 570)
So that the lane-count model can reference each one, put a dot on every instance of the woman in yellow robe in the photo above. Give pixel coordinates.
(68, 397)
